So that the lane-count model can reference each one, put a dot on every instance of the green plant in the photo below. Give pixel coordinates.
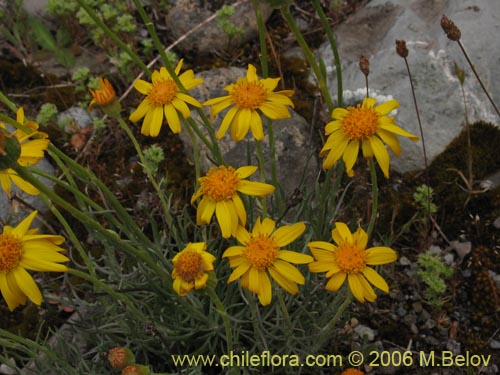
(224, 22)
(47, 113)
(433, 272)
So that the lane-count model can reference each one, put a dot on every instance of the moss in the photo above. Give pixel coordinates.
(456, 205)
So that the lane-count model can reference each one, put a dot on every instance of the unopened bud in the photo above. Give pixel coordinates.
(136, 370)
(401, 48)
(364, 65)
(451, 30)
(120, 357)
(105, 97)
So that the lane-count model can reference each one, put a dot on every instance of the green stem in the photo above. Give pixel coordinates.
(112, 35)
(90, 223)
(333, 45)
(116, 295)
(373, 218)
(7, 102)
(262, 38)
(269, 123)
(165, 204)
(326, 331)
(225, 318)
(284, 310)
(37, 349)
(262, 172)
(87, 176)
(74, 239)
(285, 11)
(213, 145)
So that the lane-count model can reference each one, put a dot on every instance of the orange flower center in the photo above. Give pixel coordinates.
(351, 258)
(220, 183)
(189, 265)
(261, 251)
(248, 95)
(11, 250)
(360, 122)
(163, 92)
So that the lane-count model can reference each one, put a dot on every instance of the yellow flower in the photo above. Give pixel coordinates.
(219, 189)
(190, 268)
(31, 152)
(364, 125)
(164, 97)
(249, 97)
(260, 255)
(349, 259)
(24, 249)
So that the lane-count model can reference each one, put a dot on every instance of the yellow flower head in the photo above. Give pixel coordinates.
(190, 268)
(349, 259)
(32, 151)
(260, 256)
(104, 95)
(24, 249)
(164, 97)
(219, 189)
(365, 125)
(249, 97)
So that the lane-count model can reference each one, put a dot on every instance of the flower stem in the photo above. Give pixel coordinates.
(333, 45)
(262, 172)
(91, 224)
(285, 11)
(112, 35)
(373, 218)
(478, 79)
(326, 331)
(163, 200)
(225, 318)
(7, 102)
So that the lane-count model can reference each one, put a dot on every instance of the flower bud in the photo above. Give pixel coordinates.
(451, 30)
(401, 48)
(10, 150)
(120, 357)
(105, 97)
(364, 65)
(136, 370)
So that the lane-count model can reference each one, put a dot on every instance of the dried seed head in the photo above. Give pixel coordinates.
(451, 30)
(364, 65)
(120, 357)
(401, 48)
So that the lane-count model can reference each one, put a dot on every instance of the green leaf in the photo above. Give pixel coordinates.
(63, 38)
(42, 35)
(65, 57)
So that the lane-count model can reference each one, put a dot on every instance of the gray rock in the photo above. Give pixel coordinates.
(373, 30)
(295, 155)
(185, 15)
(22, 204)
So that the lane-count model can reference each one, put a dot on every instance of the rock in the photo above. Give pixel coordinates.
(185, 15)
(404, 261)
(14, 210)
(494, 344)
(365, 332)
(417, 307)
(373, 30)
(74, 118)
(295, 155)
(496, 223)
(461, 248)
